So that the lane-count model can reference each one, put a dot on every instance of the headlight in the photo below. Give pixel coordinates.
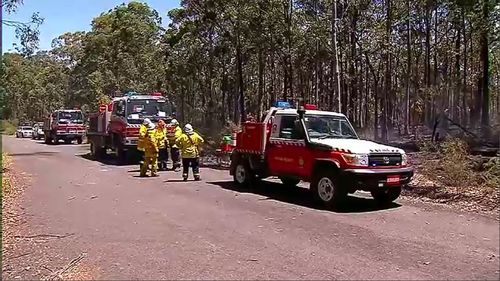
(356, 159)
(404, 159)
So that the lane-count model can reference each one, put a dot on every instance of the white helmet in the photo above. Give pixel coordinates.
(188, 129)
(146, 121)
(174, 122)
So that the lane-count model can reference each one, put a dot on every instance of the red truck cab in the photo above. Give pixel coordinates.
(322, 148)
(66, 125)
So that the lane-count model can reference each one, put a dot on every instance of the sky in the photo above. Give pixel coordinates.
(62, 16)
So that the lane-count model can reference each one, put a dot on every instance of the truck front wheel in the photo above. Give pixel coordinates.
(243, 176)
(386, 196)
(327, 190)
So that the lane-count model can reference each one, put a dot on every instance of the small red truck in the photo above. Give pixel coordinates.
(116, 125)
(65, 124)
(319, 147)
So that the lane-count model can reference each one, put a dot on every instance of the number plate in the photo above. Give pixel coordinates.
(393, 179)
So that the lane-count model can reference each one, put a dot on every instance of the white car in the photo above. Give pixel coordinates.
(38, 131)
(24, 132)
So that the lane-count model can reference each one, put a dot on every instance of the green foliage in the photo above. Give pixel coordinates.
(8, 127)
(220, 58)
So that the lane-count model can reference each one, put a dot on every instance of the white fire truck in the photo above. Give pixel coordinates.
(116, 125)
(321, 148)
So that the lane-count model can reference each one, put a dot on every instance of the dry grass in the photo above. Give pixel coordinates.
(447, 173)
(6, 179)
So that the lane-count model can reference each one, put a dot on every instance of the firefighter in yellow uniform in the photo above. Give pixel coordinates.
(150, 152)
(140, 142)
(174, 132)
(161, 137)
(189, 143)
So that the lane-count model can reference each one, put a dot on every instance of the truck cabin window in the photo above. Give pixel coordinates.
(66, 117)
(290, 128)
(329, 126)
(148, 108)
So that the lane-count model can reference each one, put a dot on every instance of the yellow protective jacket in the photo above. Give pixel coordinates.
(161, 137)
(173, 134)
(142, 133)
(189, 145)
(151, 144)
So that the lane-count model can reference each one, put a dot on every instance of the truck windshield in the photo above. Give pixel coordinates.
(141, 108)
(70, 117)
(329, 126)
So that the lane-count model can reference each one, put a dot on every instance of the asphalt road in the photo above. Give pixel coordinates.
(163, 228)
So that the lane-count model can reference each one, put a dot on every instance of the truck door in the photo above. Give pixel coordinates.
(287, 152)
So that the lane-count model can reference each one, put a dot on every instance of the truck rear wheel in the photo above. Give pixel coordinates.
(327, 190)
(243, 176)
(386, 196)
(96, 152)
(121, 155)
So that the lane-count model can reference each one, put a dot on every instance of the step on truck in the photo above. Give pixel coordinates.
(319, 147)
(116, 125)
(66, 125)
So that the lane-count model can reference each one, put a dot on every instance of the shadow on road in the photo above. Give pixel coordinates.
(40, 153)
(302, 197)
(59, 144)
(110, 160)
(214, 167)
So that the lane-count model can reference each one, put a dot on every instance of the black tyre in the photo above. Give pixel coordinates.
(79, 140)
(243, 175)
(290, 182)
(96, 152)
(386, 196)
(327, 190)
(121, 155)
(47, 140)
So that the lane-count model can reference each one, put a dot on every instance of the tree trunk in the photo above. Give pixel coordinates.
(408, 69)
(388, 71)
(485, 62)
(336, 94)
(261, 83)
(427, 69)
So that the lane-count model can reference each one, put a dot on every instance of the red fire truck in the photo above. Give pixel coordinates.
(321, 148)
(66, 124)
(116, 125)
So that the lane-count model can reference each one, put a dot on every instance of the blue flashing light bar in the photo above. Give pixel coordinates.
(283, 104)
